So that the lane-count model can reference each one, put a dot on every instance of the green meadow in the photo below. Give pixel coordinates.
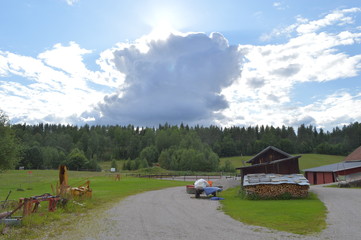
(106, 191)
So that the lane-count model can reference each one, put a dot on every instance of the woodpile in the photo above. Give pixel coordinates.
(277, 190)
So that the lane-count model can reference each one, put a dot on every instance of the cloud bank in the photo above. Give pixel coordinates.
(175, 80)
(311, 54)
(54, 86)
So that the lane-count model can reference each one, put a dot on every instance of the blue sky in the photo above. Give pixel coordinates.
(197, 62)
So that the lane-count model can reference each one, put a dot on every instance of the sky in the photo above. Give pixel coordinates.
(200, 62)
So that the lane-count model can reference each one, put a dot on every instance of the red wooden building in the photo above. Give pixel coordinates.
(271, 160)
(331, 173)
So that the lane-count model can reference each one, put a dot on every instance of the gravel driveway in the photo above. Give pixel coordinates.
(344, 212)
(173, 214)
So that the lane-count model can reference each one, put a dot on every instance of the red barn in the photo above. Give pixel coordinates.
(349, 168)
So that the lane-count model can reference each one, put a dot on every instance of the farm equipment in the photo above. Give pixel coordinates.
(30, 205)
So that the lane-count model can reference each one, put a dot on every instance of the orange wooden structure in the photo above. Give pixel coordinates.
(30, 205)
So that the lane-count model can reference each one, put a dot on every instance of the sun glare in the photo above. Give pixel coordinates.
(163, 22)
(162, 30)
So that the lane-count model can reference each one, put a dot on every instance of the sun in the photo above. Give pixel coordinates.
(162, 30)
(163, 22)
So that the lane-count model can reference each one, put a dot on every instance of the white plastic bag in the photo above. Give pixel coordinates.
(200, 184)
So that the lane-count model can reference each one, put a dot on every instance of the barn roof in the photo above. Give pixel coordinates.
(268, 149)
(262, 178)
(336, 167)
(355, 155)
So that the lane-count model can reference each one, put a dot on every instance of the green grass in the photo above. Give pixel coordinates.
(307, 160)
(106, 191)
(235, 161)
(315, 160)
(299, 216)
(25, 184)
(106, 165)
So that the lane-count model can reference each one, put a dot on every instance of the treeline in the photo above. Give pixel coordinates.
(198, 148)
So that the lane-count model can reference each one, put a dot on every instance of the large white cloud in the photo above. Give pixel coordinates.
(264, 93)
(178, 79)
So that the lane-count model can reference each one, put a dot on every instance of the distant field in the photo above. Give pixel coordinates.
(306, 161)
(106, 165)
(316, 160)
(236, 161)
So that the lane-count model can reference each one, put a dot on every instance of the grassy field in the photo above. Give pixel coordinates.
(300, 216)
(106, 165)
(306, 161)
(106, 191)
(235, 161)
(315, 160)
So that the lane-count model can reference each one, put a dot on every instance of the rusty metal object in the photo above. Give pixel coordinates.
(29, 205)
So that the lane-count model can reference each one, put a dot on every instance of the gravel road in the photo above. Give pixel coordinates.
(344, 212)
(173, 214)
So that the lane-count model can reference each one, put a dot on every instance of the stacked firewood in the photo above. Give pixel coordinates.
(276, 190)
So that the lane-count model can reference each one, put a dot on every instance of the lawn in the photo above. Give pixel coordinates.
(299, 216)
(106, 191)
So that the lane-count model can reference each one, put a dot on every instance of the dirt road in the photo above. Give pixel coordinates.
(173, 214)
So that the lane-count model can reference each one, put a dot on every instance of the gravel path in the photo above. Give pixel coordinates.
(344, 212)
(173, 214)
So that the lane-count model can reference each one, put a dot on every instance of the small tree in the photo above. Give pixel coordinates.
(76, 160)
(10, 149)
